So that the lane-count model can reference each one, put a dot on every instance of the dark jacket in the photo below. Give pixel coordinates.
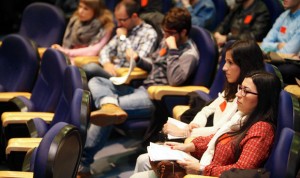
(251, 23)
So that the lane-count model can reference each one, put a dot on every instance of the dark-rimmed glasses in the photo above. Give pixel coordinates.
(244, 90)
(123, 20)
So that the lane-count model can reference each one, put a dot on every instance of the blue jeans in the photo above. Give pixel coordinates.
(135, 101)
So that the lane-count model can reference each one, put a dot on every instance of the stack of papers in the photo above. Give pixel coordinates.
(162, 152)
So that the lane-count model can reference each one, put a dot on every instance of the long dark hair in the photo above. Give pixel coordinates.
(249, 57)
(268, 88)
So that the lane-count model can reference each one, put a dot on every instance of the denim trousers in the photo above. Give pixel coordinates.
(135, 101)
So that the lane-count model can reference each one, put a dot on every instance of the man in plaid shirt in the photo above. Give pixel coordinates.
(132, 32)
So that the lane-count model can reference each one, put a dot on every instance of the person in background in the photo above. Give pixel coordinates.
(284, 38)
(136, 34)
(245, 141)
(249, 20)
(203, 12)
(171, 64)
(242, 57)
(88, 30)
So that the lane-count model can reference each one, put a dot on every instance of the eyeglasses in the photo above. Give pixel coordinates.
(244, 90)
(123, 20)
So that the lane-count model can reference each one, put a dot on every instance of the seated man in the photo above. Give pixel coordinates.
(249, 20)
(172, 64)
(284, 37)
(141, 36)
(203, 12)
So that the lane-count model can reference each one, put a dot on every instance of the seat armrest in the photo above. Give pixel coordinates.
(16, 174)
(80, 61)
(23, 117)
(158, 92)
(6, 96)
(21, 144)
(136, 74)
(179, 110)
(41, 51)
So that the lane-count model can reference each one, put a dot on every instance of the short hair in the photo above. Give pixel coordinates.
(177, 19)
(249, 57)
(131, 7)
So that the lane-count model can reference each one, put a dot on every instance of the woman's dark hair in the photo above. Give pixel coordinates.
(268, 87)
(178, 19)
(249, 57)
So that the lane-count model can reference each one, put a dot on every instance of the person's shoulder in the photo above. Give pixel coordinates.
(261, 128)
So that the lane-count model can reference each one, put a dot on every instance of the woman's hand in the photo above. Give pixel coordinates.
(192, 126)
(189, 147)
(191, 165)
(173, 130)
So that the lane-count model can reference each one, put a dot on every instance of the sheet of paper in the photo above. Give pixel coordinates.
(179, 124)
(161, 152)
(121, 80)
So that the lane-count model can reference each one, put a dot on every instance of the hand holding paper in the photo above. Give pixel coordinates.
(121, 80)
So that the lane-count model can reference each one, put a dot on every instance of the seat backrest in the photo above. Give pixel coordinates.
(208, 56)
(43, 23)
(275, 8)
(111, 4)
(222, 10)
(72, 102)
(277, 162)
(166, 5)
(49, 85)
(59, 152)
(19, 64)
(80, 111)
(285, 119)
(293, 165)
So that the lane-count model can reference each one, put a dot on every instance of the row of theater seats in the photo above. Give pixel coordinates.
(36, 96)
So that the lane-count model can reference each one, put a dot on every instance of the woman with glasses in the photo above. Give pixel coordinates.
(242, 57)
(245, 141)
(88, 30)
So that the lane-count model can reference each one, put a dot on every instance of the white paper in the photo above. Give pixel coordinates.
(177, 123)
(121, 80)
(162, 152)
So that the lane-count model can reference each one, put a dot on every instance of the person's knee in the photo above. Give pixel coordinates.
(143, 163)
(91, 69)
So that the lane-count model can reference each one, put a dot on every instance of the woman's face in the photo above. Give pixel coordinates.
(85, 13)
(231, 69)
(247, 96)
